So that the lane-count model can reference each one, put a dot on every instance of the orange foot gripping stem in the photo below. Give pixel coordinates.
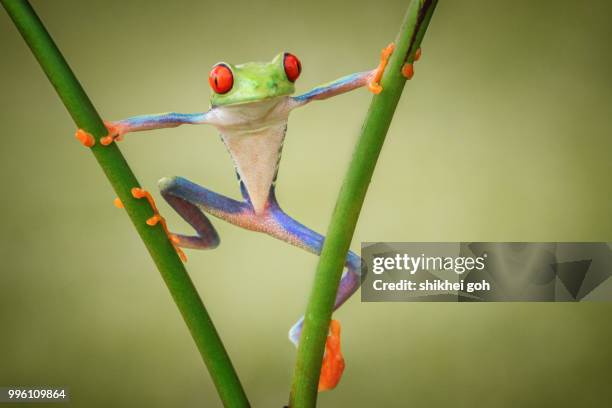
(138, 192)
(374, 84)
(114, 134)
(333, 362)
(407, 69)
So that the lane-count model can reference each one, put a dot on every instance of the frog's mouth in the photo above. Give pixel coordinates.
(255, 115)
(250, 100)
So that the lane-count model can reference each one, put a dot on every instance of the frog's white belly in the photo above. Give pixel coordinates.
(256, 157)
(254, 134)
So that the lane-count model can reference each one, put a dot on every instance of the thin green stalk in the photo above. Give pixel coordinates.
(122, 179)
(348, 206)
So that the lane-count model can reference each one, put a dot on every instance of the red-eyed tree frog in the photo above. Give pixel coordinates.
(250, 106)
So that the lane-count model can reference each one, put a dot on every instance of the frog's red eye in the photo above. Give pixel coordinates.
(221, 79)
(292, 65)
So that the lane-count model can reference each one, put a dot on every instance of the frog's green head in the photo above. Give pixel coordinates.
(253, 81)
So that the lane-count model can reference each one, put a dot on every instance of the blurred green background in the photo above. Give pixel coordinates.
(503, 134)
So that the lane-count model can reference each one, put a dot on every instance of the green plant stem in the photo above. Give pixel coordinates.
(122, 179)
(348, 206)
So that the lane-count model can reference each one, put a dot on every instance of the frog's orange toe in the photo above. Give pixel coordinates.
(387, 51)
(333, 362)
(154, 220)
(417, 54)
(106, 140)
(138, 192)
(375, 88)
(85, 138)
(408, 71)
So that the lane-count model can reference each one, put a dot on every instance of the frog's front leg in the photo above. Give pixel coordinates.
(116, 130)
(337, 87)
(348, 83)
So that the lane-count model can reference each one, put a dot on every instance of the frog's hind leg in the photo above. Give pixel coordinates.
(282, 226)
(207, 237)
(190, 201)
(288, 229)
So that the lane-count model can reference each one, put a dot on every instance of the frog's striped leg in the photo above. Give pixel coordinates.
(191, 200)
(289, 230)
(116, 130)
(337, 87)
(348, 83)
(160, 120)
(207, 237)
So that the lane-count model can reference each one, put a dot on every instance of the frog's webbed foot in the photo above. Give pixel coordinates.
(138, 192)
(407, 68)
(333, 362)
(374, 84)
(115, 133)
